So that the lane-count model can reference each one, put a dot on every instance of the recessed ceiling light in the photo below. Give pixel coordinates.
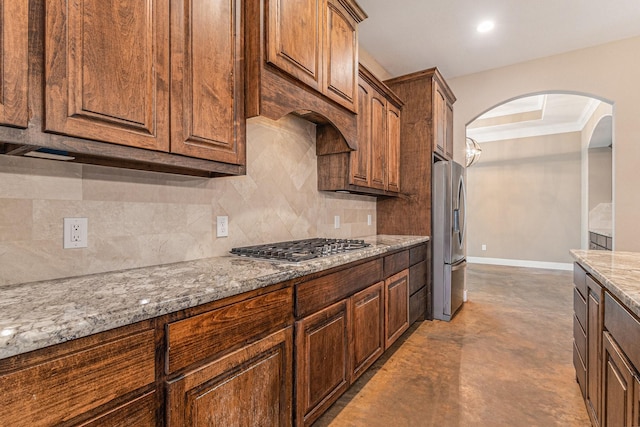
(485, 26)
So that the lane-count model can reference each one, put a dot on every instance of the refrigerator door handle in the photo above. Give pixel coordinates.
(456, 220)
(464, 209)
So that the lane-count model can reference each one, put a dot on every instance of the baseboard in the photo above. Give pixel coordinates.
(521, 263)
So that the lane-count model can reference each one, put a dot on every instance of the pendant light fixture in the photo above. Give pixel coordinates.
(473, 151)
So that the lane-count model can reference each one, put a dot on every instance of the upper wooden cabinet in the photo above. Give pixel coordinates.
(207, 88)
(374, 168)
(302, 58)
(426, 131)
(14, 64)
(107, 71)
(162, 76)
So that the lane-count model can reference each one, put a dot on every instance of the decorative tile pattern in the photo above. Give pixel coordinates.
(139, 218)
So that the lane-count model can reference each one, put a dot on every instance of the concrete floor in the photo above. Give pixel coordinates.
(504, 360)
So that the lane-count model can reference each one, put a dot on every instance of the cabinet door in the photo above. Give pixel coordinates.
(107, 68)
(249, 387)
(393, 141)
(396, 306)
(14, 66)
(594, 348)
(340, 71)
(367, 307)
(439, 117)
(617, 387)
(322, 361)
(378, 141)
(294, 38)
(206, 80)
(360, 159)
(448, 126)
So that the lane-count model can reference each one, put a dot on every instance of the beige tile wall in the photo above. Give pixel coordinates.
(142, 218)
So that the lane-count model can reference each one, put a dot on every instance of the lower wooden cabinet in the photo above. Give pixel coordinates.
(594, 348)
(367, 308)
(322, 361)
(396, 306)
(619, 387)
(249, 387)
(105, 377)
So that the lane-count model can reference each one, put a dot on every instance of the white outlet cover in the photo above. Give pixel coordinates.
(369, 219)
(75, 232)
(336, 221)
(222, 226)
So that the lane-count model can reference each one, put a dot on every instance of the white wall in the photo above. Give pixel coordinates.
(610, 72)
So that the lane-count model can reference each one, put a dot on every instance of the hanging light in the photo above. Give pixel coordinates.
(473, 151)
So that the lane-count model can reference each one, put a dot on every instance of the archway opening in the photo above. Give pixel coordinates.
(528, 195)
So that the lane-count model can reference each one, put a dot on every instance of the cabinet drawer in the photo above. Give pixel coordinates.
(316, 294)
(581, 371)
(580, 279)
(209, 334)
(140, 412)
(417, 305)
(417, 277)
(580, 308)
(580, 339)
(395, 263)
(59, 389)
(624, 328)
(417, 254)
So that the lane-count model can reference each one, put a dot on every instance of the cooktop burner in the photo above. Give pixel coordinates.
(300, 250)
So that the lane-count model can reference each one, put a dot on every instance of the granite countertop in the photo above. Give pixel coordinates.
(39, 314)
(617, 271)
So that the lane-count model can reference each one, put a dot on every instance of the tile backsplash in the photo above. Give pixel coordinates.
(141, 218)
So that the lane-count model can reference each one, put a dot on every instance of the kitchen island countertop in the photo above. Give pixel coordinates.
(39, 314)
(617, 271)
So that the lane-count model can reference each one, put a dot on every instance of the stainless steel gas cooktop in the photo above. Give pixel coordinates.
(300, 250)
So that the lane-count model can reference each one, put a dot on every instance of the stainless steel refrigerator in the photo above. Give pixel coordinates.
(448, 230)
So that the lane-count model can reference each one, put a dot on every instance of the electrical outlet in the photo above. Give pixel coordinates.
(336, 221)
(222, 226)
(369, 219)
(75, 233)
(484, 247)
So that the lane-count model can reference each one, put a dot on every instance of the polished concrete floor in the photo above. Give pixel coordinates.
(504, 360)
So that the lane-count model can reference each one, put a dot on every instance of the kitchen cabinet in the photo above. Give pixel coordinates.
(321, 49)
(14, 65)
(107, 71)
(374, 168)
(110, 66)
(302, 57)
(96, 380)
(587, 338)
(621, 359)
(249, 387)
(418, 289)
(396, 306)
(322, 361)
(367, 308)
(443, 121)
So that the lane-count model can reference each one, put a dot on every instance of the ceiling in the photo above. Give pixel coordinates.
(535, 116)
(411, 35)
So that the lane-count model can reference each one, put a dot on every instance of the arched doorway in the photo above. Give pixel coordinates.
(528, 193)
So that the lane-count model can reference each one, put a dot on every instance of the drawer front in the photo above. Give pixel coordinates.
(140, 412)
(396, 263)
(580, 339)
(417, 305)
(60, 389)
(316, 294)
(417, 254)
(581, 371)
(580, 308)
(624, 328)
(417, 277)
(580, 279)
(209, 334)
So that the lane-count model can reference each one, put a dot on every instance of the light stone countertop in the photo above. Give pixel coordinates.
(39, 314)
(618, 272)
